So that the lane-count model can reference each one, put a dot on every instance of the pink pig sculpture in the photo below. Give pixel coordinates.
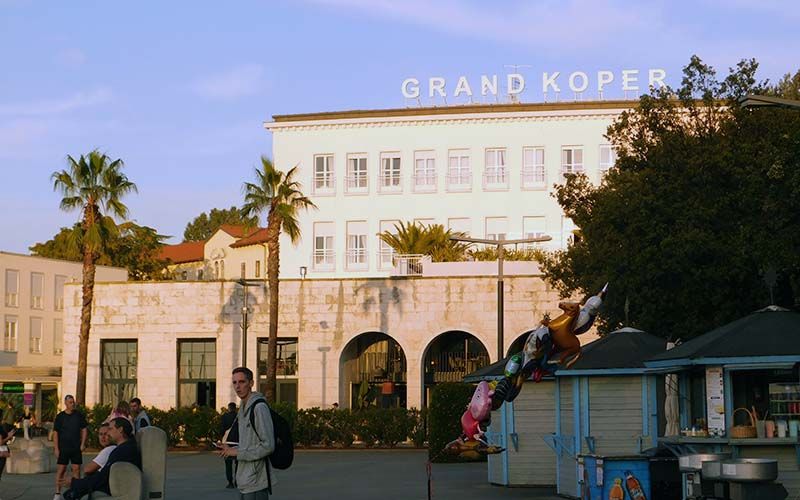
(479, 411)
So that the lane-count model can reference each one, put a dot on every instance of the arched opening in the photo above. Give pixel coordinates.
(372, 372)
(451, 356)
(518, 344)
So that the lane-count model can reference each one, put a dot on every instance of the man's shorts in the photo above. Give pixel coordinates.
(65, 457)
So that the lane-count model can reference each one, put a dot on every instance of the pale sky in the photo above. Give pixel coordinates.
(179, 90)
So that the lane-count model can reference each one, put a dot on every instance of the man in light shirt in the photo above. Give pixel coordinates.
(102, 458)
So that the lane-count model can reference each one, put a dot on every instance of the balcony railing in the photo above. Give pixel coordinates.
(379, 366)
(323, 260)
(532, 177)
(425, 182)
(459, 180)
(409, 264)
(390, 183)
(357, 183)
(324, 184)
(572, 169)
(386, 258)
(356, 258)
(495, 178)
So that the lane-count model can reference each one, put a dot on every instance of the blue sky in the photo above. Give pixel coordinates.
(179, 90)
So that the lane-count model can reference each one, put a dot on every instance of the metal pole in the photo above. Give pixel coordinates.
(244, 325)
(500, 303)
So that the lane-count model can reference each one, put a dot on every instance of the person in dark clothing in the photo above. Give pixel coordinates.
(69, 440)
(121, 432)
(228, 420)
(5, 437)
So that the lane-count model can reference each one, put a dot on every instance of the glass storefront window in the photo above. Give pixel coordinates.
(286, 369)
(118, 371)
(776, 391)
(197, 373)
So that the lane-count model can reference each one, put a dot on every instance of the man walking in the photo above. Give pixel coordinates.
(256, 442)
(140, 417)
(120, 431)
(228, 419)
(69, 440)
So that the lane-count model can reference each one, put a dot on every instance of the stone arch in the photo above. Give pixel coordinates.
(518, 343)
(377, 361)
(450, 356)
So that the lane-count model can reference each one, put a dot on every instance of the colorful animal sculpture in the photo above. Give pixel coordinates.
(479, 412)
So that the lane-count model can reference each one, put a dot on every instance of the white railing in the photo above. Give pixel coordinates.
(495, 178)
(572, 169)
(425, 182)
(36, 302)
(390, 183)
(356, 258)
(324, 184)
(12, 300)
(386, 258)
(357, 183)
(408, 264)
(323, 260)
(459, 180)
(532, 177)
(59, 303)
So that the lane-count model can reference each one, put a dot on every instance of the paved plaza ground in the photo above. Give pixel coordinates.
(356, 475)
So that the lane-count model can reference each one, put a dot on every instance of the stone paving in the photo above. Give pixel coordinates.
(352, 475)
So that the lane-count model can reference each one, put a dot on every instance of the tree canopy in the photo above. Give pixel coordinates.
(205, 225)
(698, 224)
(131, 246)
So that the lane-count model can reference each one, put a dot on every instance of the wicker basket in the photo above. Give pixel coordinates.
(744, 431)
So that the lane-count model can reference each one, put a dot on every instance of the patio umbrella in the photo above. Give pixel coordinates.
(671, 410)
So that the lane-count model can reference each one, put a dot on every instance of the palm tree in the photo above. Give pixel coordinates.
(432, 240)
(278, 194)
(94, 184)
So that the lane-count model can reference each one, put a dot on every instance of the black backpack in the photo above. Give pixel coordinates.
(283, 454)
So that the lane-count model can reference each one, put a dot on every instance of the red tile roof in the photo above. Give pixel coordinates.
(235, 230)
(258, 237)
(191, 251)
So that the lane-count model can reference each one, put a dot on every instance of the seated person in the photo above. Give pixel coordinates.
(102, 458)
(120, 431)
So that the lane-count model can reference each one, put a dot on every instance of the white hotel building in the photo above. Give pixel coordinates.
(487, 170)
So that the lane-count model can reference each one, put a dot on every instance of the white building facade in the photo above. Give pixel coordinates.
(486, 170)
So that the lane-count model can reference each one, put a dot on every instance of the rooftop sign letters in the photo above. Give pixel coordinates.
(628, 80)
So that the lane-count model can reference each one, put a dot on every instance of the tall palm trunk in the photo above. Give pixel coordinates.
(273, 263)
(89, 258)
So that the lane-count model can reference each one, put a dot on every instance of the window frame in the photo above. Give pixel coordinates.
(11, 319)
(530, 173)
(209, 379)
(133, 382)
(35, 347)
(58, 292)
(353, 179)
(395, 184)
(328, 255)
(356, 258)
(613, 157)
(495, 176)
(425, 180)
(328, 177)
(462, 180)
(573, 169)
(11, 299)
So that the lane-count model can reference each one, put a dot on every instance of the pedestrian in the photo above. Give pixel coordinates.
(140, 417)
(228, 419)
(123, 410)
(120, 431)
(6, 434)
(335, 406)
(101, 459)
(256, 442)
(69, 439)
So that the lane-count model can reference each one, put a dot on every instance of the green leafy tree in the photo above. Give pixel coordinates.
(432, 240)
(205, 225)
(279, 195)
(704, 200)
(95, 185)
(136, 248)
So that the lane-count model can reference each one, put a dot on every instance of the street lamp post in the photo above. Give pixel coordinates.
(245, 312)
(500, 244)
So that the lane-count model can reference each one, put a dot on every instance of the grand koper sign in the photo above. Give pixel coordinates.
(627, 80)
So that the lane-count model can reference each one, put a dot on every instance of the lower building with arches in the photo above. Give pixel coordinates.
(376, 341)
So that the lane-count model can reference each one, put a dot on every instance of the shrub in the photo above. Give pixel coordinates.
(419, 434)
(448, 402)
(342, 427)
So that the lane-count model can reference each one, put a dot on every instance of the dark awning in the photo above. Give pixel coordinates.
(622, 349)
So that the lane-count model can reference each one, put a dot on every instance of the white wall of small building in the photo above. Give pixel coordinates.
(297, 143)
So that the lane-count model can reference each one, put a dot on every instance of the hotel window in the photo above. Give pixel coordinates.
(357, 173)
(459, 173)
(324, 180)
(10, 334)
(37, 291)
(460, 225)
(197, 373)
(118, 366)
(258, 269)
(285, 369)
(243, 270)
(390, 179)
(571, 160)
(58, 336)
(608, 157)
(495, 175)
(496, 228)
(568, 229)
(324, 256)
(357, 245)
(533, 168)
(424, 171)
(12, 288)
(533, 227)
(58, 292)
(386, 253)
(36, 335)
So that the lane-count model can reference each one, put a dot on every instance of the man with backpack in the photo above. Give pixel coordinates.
(256, 439)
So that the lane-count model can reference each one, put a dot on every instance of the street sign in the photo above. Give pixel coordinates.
(13, 388)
